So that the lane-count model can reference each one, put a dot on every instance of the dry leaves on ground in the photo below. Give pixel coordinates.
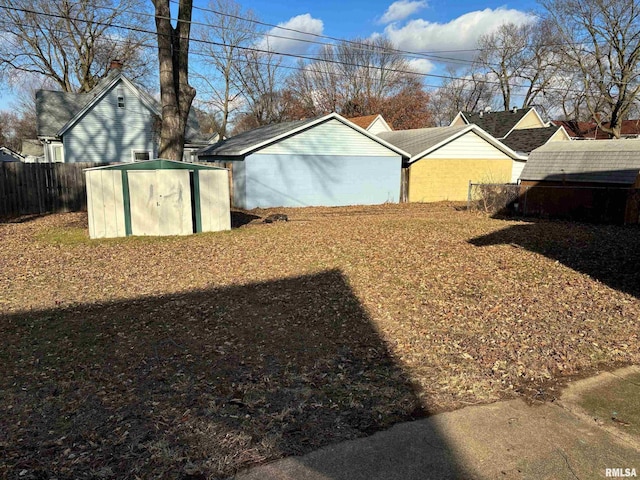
(194, 357)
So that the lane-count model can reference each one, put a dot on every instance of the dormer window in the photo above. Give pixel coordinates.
(120, 98)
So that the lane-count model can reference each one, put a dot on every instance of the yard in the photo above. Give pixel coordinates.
(194, 357)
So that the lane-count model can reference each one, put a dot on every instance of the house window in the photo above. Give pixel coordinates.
(120, 98)
(57, 153)
(140, 155)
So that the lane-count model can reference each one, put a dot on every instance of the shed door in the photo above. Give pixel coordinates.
(160, 202)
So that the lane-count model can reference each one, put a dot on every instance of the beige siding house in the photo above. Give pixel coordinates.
(445, 159)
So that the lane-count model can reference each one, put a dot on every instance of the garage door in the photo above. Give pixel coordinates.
(317, 180)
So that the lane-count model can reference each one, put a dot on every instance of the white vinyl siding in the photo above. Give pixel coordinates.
(378, 126)
(329, 138)
(469, 145)
(517, 168)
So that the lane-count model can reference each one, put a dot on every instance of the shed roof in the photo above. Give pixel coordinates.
(528, 139)
(605, 161)
(252, 140)
(157, 164)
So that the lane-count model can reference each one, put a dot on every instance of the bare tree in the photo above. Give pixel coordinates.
(465, 91)
(353, 78)
(520, 58)
(260, 80)
(71, 42)
(601, 40)
(228, 32)
(176, 95)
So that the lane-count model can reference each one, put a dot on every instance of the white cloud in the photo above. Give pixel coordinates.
(401, 9)
(461, 33)
(304, 24)
(420, 65)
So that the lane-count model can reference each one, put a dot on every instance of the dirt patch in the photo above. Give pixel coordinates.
(175, 357)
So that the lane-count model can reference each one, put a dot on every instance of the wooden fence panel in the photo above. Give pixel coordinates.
(38, 188)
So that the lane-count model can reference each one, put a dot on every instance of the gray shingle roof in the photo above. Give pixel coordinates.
(234, 146)
(497, 124)
(420, 139)
(528, 139)
(55, 109)
(602, 161)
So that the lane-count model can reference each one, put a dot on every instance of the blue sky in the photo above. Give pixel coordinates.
(445, 26)
(412, 25)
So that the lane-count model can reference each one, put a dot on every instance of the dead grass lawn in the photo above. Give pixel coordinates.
(194, 357)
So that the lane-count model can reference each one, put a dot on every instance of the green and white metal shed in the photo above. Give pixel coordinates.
(157, 197)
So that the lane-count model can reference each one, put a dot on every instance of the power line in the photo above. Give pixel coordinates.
(359, 45)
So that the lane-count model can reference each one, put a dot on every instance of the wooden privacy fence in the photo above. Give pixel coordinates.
(600, 204)
(37, 188)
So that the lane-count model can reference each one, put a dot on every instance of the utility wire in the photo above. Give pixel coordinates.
(269, 52)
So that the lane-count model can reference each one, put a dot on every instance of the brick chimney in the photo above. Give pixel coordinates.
(116, 64)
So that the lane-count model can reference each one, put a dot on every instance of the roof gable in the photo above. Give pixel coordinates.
(259, 138)
(101, 90)
(57, 112)
(369, 121)
(422, 141)
(498, 124)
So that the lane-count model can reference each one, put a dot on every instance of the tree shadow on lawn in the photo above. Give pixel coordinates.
(607, 253)
(195, 385)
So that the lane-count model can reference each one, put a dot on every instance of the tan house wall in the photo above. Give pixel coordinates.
(433, 180)
(530, 120)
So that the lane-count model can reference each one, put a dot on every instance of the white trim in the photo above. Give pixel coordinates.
(472, 127)
(306, 126)
(51, 148)
(99, 97)
(11, 153)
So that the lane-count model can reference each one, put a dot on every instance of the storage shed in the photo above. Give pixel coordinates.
(445, 159)
(157, 197)
(325, 161)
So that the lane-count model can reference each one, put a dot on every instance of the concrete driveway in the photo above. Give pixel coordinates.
(592, 431)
